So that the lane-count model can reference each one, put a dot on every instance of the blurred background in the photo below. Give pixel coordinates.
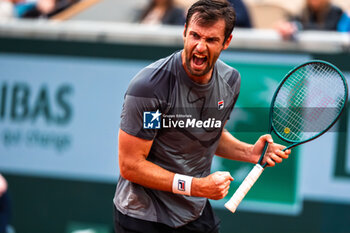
(65, 66)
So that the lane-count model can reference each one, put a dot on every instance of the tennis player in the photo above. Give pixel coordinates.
(172, 124)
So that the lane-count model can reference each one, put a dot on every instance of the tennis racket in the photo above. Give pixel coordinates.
(308, 101)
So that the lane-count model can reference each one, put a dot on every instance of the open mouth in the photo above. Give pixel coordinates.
(199, 59)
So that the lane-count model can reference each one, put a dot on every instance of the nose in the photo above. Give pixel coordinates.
(201, 46)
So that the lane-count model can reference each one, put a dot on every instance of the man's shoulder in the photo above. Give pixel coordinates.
(336, 9)
(154, 78)
(228, 74)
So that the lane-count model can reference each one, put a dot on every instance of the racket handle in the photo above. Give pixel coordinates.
(243, 189)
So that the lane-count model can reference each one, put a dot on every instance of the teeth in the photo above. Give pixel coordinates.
(199, 56)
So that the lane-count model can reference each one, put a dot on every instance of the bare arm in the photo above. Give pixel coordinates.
(231, 148)
(234, 149)
(134, 167)
(133, 152)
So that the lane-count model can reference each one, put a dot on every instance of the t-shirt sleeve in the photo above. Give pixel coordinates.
(136, 117)
(146, 99)
(141, 111)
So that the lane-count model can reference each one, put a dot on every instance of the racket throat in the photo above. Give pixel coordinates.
(263, 154)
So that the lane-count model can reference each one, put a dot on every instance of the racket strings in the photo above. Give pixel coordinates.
(327, 75)
(308, 102)
(298, 99)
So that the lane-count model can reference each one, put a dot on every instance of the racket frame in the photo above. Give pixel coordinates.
(271, 125)
(238, 196)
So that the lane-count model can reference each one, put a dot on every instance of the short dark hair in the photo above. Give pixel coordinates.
(209, 11)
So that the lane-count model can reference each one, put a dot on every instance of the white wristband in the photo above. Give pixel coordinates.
(182, 184)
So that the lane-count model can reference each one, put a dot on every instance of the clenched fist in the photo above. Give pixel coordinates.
(215, 186)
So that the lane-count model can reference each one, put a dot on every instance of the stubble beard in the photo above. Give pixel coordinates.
(197, 73)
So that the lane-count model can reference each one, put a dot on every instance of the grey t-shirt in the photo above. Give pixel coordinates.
(185, 136)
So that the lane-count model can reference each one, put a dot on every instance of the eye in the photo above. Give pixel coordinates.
(195, 35)
(212, 40)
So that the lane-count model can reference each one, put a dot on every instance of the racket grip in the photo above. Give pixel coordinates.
(243, 189)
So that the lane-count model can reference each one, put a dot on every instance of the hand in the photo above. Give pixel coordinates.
(274, 153)
(286, 29)
(215, 186)
(46, 6)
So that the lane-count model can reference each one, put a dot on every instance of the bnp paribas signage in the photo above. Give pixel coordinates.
(33, 115)
(59, 115)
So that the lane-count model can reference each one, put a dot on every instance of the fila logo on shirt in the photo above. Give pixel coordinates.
(220, 104)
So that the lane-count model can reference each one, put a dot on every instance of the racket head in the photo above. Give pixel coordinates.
(308, 102)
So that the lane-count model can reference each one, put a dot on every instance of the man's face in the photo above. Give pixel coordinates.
(202, 47)
(317, 5)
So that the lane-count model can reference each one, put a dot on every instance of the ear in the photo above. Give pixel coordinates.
(227, 42)
(185, 31)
